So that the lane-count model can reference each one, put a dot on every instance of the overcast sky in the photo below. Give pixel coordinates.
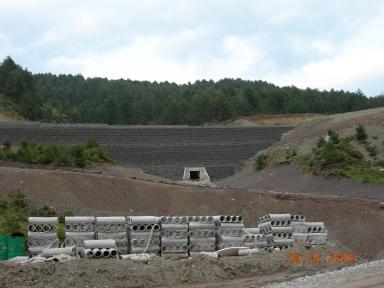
(309, 43)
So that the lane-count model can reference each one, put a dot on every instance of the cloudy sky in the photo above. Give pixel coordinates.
(309, 43)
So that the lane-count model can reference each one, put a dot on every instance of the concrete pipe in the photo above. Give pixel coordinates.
(299, 227)
(39, 228)
(32, 227)
(97, 253)
(199, 226)
(278, 216)
(111, 220)
(114, 228)
(69, 242)
(121, 227)
(282, 229)
(80, 219)
(49, 252)
(247, 252)
(43, 220)
(113, 253)
(88, 253)
(76, 227)
(142, 227)
(203, 219)
(228, 218)
(105, 243)
(35, 250)
(173, 227)
(267, 224)
(105, 253)
(210, 219)
(231, 225)
(252, 230)
(281, 242)
(38, 235)
(68, 227)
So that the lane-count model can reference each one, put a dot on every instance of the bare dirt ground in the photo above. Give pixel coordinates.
(349, 219)
(279, 119)
(7, 117)
(163, 272)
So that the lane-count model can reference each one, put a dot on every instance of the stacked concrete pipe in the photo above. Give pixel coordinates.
(277, 230)
(113, 228)
(144, 234)
(78, 229)
(317, 233)
(299, 228)
(174, 235)
(42, 233)
(105, 248)
(201, 234)
(254, 239)
(230, 231)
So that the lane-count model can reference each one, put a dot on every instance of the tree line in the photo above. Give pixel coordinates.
(99, 100)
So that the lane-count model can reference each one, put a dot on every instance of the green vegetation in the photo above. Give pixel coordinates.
(260, 162)
(58, 155)
(15, 210)
(361, 134)
(332, 155)
(62, 98)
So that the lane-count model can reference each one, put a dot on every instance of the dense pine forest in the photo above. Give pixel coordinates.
(69, 98)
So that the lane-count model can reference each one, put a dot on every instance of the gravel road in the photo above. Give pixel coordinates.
(365, 275)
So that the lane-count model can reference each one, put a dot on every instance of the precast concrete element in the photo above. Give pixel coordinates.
(196, 174)
(202, 244)
(299, 227)
(151, 249)
(88, 253)
(201, 230)
(97, 253)
(274, 217)
(37, 241)
(300, 237)
(283, 243)
(42, 224)
(174, 231)
(105, 253)
(229, 219)
(77, 238)
(297, 218)
(282, 232)
(174, 245)
(250, 238)
(317, 238)
(111, 224)
(80, 224)
(121, 240)
(174, 220)
(315, 227)
(143, 220)
(144, 227)
(201, 219)
(230, 235)
(255, 230)
(143, 258)
(106, 243)
(49, 252)
(248, 252)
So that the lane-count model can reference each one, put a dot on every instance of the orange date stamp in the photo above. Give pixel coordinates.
(315, 258)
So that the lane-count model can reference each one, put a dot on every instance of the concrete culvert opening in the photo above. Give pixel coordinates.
(194, 175)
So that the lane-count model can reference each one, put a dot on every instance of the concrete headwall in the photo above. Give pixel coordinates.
(158, 150)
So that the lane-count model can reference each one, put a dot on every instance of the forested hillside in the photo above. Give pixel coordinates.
(49, 97)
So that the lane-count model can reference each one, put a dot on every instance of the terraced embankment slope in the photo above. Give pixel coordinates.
(158, 150)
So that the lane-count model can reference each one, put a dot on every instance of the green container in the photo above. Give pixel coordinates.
(3, 247)
(16, 246)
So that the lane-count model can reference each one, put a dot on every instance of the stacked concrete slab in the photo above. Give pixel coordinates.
(144, 234)
(201, 233)
(277, 230)
(299, 228)
(317, 233)
(174, 235)
(230, 231)
(42, 234)
(113, 228)
(78, 229)
(254, 238)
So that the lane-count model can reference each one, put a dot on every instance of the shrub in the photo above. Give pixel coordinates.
(361, 134)
(372, 149)
(260, 162)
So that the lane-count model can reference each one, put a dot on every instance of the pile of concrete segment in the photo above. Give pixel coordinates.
(170, 235)
(78, 229)
(42, 233)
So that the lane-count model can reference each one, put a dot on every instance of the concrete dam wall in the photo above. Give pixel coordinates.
(158, 150)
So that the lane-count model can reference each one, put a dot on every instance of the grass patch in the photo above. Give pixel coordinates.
(58, 155)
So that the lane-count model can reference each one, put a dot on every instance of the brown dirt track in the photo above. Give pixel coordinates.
(354, 222)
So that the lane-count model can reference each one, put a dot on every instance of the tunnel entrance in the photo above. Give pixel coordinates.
(194, 175)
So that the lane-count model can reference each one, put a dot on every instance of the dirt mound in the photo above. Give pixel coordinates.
(165, 272)
(349, 220)
(7, 117)
(280, 119)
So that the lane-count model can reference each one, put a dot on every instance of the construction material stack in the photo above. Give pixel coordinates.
(254, 239)
(201, 233)
(230, 231)
(113, 228)
(317, 233)
(277, 230)
(144, 234)
(299, 228)
(100, 248)
(174, 235)
(42, 233)
(78, 229)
